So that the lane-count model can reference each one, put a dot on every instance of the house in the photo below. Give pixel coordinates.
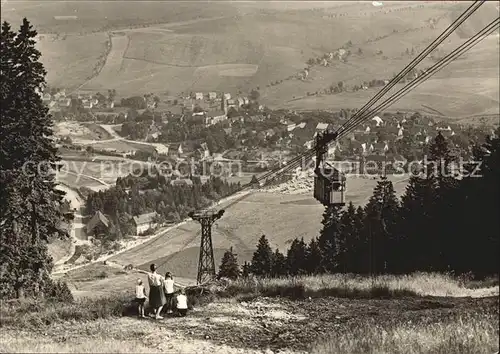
(199, 95)
(379, 148)
(46, 97)
(87, 104)
(302, 125)
(175, 150)
(321, 127)
(182, 182)
(240, 101)
(447, 133)
(309, 144)
(443, 127)
(270, 132)
(64, 102)
(97, 225)
(231, 103)
(378, 120)
(239, 119)
(227, 96)
(290, 126)
(246, 100)
(144, 222)
(212, 95)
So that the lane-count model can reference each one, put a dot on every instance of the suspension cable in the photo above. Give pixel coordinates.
(361, 115)
(471, 42)
(453, 26)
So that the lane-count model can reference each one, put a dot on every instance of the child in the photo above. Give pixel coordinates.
(140, 298)
(182, 306)
(169, 291)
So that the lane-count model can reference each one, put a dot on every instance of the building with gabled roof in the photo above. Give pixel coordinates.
(98, 224)
(144, 222)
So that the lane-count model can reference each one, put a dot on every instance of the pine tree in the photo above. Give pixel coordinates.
(326, 239)
(361, 248)
(477, 229)
(445, 206)
(313, 258)
(229, 266)
(382, 213)
(279, 268)
(30, 204)
(417, 220)
(347, 242)
(246, 270)
(262, 260)
(296, 257)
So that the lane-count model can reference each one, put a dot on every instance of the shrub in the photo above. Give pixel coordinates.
(59, 291)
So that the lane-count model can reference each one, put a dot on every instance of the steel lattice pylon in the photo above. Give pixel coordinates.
(206, 264)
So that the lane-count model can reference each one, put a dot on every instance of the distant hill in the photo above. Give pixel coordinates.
(139, 47)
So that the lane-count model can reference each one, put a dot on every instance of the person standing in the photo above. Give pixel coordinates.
(169, 291)
(140, 298)
(156, 294)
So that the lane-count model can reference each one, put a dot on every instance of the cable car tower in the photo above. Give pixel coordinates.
(329, 182)
(206, 264)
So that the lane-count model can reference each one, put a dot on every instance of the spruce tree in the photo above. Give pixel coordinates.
(313, 258)
(360, 255)
(296, 257)
(445, 205)
(262, 260)
(30, 204)
(279, 268)
(417, 219)
(477, 229)
(347, 242)
(382, 213)
(326, 239)
(229, 266)
(246, 270)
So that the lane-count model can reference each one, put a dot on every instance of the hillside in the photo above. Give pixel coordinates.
(137, 48)
(281, 217)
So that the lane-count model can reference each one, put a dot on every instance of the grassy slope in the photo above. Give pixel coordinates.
(280, 217)
(250, 320)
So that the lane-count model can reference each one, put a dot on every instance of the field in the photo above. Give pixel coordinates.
(81, 131)
(106, 172)
(241, 46)
(474, 75)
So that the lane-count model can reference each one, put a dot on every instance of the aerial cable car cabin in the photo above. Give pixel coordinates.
(329, 182)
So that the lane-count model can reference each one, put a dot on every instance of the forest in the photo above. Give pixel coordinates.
(134, 196)
(441, 224)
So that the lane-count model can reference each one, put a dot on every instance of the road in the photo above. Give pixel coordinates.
(161, 148)
(76, 226)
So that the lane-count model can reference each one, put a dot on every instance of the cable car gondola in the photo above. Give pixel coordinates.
(329, 182)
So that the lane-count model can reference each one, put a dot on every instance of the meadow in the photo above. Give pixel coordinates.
(321, 314)
(474, 75)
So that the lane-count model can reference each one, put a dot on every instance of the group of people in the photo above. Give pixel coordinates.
(161, 293)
